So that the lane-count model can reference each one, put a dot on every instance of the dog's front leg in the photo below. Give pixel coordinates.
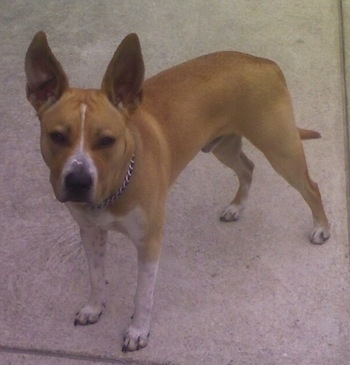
(94, 241)
(136, 336)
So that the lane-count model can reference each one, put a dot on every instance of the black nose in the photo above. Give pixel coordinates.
(78, 184)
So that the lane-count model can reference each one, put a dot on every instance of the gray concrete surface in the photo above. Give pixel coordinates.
(251, 292)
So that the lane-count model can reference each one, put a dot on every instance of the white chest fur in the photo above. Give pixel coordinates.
(132, 224)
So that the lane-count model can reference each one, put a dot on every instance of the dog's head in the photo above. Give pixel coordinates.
(85, 138)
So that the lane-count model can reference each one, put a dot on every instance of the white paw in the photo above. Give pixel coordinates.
(89, 314)
(231, 213)
(319, 235)
(135, 339)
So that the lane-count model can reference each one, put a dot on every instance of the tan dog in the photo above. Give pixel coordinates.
(113, 153)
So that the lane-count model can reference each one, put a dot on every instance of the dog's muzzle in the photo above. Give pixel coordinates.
(78, 179)
(78, 186)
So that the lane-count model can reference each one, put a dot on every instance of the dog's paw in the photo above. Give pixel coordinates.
(89, 314)
(134, 339)
(231, 213)
(319, 235)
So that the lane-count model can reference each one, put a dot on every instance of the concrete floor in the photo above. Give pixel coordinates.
(251, 292)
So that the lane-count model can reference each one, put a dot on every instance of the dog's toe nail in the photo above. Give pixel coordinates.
(138, 343)
(125, 347)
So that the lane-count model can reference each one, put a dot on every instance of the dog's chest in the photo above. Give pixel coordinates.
(132, 224)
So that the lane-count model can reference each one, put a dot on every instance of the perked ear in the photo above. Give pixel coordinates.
(46, 80)
(123, 79)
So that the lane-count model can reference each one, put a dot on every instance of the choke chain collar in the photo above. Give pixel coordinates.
(122, 188)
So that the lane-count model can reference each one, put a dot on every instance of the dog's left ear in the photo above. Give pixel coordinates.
(46, 80)
(123, 79)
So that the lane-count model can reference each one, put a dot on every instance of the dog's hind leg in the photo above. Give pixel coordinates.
(229, 152)
(282, 146)
(293, 168)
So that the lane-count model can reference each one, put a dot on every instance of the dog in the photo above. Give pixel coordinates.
(113, 153)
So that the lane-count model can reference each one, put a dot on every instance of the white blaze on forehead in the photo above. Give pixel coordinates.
(81, 158)
(83, 108)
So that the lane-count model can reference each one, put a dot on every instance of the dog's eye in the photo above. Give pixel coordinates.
(106, 141)
(58, 138)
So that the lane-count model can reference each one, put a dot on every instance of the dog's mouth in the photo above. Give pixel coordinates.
(66, 198)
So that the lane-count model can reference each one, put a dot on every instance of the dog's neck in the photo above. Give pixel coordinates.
(121, 189)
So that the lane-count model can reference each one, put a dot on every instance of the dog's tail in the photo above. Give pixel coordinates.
(308, 134)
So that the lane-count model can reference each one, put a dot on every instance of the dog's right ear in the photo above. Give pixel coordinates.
(46, 80)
